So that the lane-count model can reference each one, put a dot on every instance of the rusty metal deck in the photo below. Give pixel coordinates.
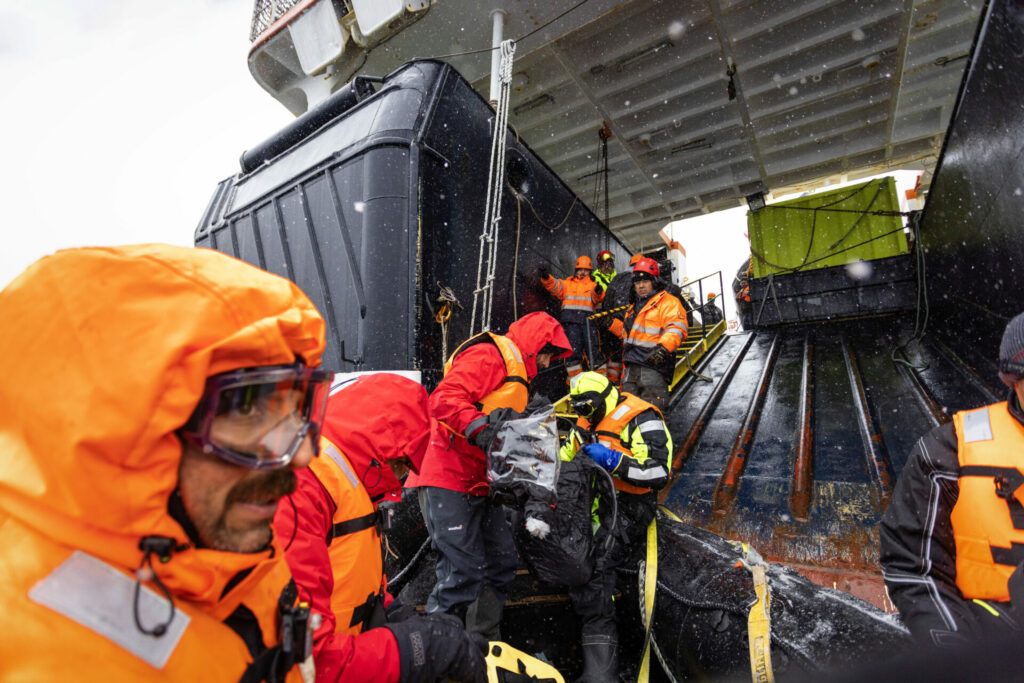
(796, 445)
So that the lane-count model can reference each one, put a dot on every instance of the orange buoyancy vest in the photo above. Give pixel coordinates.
(988, 518)
(514, 391)
(353, 543)
(612, 432)
(575, 293)
(69, 615)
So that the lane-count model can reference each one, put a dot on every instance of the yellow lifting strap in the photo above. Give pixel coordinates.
(650, 588)
(759, 625)
(502, 656)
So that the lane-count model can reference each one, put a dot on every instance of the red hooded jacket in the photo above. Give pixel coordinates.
(452, 462)
(372, 420)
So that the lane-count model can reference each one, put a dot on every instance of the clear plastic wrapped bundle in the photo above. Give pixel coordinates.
(525, 452)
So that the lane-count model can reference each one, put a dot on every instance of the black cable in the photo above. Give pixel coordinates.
(516, 40)
(395, 583)
(163, 546)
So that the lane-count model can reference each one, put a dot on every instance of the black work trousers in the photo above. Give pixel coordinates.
(593, 600)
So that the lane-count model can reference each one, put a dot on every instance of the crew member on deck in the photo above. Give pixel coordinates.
(580, 295)
(654, 327)
(953, 535)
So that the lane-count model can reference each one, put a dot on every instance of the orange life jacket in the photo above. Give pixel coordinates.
(575, 293)
(55, 594)
(514, 391)
(611, 431)
(988, 518)
(353, 544)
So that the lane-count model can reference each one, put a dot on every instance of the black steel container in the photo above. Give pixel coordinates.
(384, 202)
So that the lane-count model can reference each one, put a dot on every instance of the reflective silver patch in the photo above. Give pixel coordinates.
(977, 426)
(340, 461)
(99, 597)
(637, 474)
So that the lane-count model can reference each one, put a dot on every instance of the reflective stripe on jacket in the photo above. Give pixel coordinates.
(577, 295)
(988, 518)
(661, 321)
(636, 429)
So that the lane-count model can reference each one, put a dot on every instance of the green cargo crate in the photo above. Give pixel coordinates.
(781, 233)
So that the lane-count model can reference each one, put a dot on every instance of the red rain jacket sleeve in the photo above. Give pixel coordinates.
(372, 656)
(476, 372)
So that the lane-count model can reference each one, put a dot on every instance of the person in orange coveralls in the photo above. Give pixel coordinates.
(155, 403)
(376, 428)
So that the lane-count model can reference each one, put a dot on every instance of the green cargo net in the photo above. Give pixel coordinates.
(827, 229)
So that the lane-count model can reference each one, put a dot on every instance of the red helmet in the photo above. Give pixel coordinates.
(635, 259)
(584, 262)
(647, 265)
(605, 256)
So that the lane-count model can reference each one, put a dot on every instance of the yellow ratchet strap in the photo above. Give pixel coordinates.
(759, 625)
(650, 588)
(505, 657)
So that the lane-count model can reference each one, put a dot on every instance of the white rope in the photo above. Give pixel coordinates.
(484, 292)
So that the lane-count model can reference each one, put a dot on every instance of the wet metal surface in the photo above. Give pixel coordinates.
(797, 445)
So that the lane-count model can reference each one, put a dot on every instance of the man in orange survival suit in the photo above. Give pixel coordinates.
(953, 536)
(375, 428)
(486, 383)
(155, 402)
(580, 295)
(654, 327)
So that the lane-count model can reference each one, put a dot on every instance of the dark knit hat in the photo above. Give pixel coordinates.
(1011, 352)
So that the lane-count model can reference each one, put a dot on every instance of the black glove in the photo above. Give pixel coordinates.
(399, 611)
(437, 646)
(543, 273)
(604, 322)
(598, 288)
(658, 356)
(497, 417)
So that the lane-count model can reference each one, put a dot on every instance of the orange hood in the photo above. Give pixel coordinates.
(104, 354)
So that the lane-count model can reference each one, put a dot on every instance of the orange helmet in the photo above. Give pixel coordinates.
(647, 265)
(605, 256)
(584, 262)
(636, 258)
(711, 295)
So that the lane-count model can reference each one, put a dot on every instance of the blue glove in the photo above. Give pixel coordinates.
(605, 457)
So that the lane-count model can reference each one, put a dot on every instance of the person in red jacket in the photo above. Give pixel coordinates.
(486, 383)
(580, 296)
(376, 428)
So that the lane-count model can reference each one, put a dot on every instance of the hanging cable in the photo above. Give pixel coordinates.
(484, 292)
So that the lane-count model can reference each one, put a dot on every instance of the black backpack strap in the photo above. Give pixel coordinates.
(351, 526)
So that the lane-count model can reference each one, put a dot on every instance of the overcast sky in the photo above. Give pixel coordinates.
(119, 118)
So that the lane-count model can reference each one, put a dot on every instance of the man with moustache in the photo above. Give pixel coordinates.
(155, 403)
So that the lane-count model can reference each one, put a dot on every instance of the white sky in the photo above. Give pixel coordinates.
(119, 119)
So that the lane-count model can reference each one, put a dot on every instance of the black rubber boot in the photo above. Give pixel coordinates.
(600, 660)
(483, 615)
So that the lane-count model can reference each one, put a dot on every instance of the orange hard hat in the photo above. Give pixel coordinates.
(605, 256)
(584, 262)
(648, 266)
(711, 295)
(635, 259)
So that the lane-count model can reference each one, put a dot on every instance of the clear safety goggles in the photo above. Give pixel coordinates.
(260, 417)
